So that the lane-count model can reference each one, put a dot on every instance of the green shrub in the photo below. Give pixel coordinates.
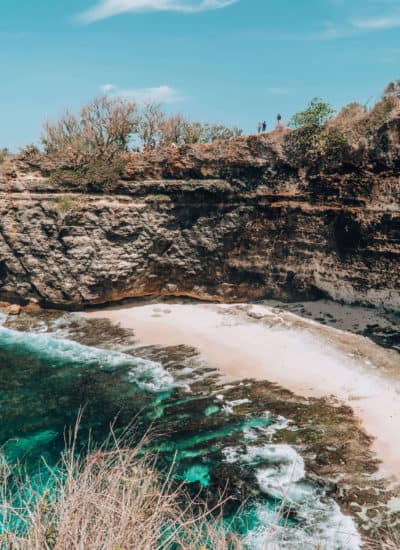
(95, 172)
(313, 137)
(65, 203)
(335, 143)
(309, 143)
(316, 114)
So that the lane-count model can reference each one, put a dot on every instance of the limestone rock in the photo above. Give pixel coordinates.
(13, 309)
(230, 221)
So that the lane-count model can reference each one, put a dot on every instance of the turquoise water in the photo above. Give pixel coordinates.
(218, 440)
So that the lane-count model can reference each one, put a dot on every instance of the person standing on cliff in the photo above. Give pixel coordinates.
(279, 124)
(259, 127)
(264, 127)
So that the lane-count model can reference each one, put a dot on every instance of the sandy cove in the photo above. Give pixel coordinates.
(310, 359)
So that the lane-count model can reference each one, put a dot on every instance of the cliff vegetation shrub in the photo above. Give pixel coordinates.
(158, 198)
(360, 124)
(65, 203)
(315, 115)
(103, 128)
(380, 113)
(392, 89)
(30, 151)
(217, 132)
(157, 129)
(90, 149)
(314, 135)
(113, 498)
(94, 142)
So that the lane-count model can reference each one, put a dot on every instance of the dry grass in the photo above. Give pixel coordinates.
(108, 500)
(388, 541)
(113, 499)
(357, 123)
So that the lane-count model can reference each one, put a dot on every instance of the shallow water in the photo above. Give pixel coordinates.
(221, 436)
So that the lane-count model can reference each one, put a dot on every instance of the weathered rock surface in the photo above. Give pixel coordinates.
(231, 221)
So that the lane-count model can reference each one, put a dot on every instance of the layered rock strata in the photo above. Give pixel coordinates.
(233, 221)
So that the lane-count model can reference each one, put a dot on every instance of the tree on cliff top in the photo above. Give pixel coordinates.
(89, 148)
(316, 114)
(157, 129)
(392, 89)
(103, 129)
(314, 138)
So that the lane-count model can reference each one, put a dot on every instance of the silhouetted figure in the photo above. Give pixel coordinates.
(279, 124)
(264, 126)
(259, 127)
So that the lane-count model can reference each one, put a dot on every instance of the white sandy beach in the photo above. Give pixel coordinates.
(255, 341)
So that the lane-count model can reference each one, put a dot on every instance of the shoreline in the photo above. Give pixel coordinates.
(301, 355)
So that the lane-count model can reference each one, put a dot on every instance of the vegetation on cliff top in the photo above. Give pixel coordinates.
(319, 131)
(92, 147)
(95, 145)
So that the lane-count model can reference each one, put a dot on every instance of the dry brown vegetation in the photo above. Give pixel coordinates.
(113, 498)
(93, 146)
(321, 136)
(358, 123)
(107, 500)
(90, 147)
(156, 129)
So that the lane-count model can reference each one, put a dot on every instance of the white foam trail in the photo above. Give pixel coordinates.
(148, 375)
(320, 525)
(285, 467)
(282, 475)
(230, 405)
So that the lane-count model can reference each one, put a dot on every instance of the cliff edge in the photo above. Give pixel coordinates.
(235, 220)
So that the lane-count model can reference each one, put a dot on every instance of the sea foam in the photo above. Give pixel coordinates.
(280, 474)
(148, 375)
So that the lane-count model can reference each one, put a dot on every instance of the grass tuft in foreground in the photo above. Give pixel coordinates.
(112, 498)
(105, 500)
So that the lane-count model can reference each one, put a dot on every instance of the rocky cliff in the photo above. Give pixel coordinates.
(231, 221)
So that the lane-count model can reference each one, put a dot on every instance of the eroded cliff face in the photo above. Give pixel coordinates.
(231, 221)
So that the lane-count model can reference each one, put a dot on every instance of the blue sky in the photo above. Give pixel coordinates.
(215, 60)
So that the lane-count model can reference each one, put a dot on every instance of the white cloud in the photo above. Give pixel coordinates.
(106, 88)
(109, 8)
(332, 31)
(378, 23)
(161, 94)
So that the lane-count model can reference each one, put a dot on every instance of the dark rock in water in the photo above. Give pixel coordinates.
(231, 221)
